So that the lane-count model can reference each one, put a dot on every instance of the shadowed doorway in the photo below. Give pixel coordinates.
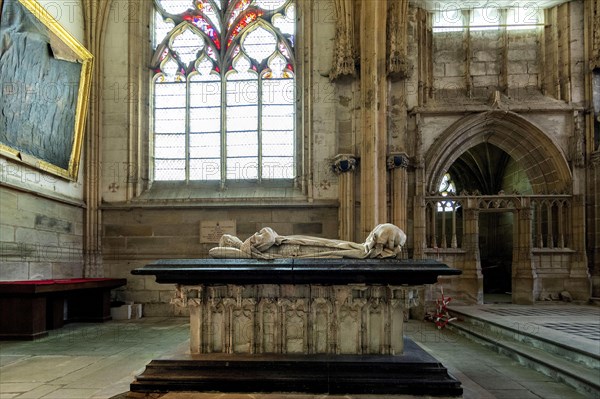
(495, 250)
(488, 170)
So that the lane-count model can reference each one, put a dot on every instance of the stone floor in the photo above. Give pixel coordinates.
(100, 360)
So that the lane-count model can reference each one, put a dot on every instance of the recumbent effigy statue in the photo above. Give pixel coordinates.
(385, 241)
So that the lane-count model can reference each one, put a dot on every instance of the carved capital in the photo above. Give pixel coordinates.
(397, 160)
(343, 163)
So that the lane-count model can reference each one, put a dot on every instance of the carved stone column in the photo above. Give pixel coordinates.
(398, 164)
(344, 165)
(524, 277)
(471, 281)
(373, 93)
(95, 14)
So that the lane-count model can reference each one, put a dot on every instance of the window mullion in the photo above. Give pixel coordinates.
(187, 131)
(259, 132)
(223, 130)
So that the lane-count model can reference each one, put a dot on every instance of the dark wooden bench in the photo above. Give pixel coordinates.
(29, 308)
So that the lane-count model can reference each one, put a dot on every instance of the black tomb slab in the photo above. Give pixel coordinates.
(415, 372)
(296, 271)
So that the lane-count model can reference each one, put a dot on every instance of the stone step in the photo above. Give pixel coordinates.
(565, 364)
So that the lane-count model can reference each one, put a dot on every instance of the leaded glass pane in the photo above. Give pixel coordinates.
(278, 167)
(278, 143)
(161, 29)
(169, 146)
(269, 5)
(187, 45)
(286, 23)
(242, 92)
(259, 44)
(169, 120)
(176, 6)
(242, 168)
(224, 86)
(169, 95)
(242, 144)
(205, 169)
(169, 169)
(205, 145)
(278, 91)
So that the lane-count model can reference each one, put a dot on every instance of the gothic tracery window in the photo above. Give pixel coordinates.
(224, 90)
(447, 187)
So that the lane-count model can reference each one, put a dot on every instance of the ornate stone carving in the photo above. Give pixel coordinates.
(344, 57)
(577, 144)
(397, 160)
(595, 54)
(348, 319)
(399, 66)
(344, 163)
(384, 241)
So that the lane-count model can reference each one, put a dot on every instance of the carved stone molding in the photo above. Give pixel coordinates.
(308, 319)
(343, 163)
(344, 57)
(399, 66)
(398, 160)
(577, 144)
(595, 55)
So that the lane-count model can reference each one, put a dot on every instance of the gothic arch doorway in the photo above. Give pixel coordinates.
(501, 165)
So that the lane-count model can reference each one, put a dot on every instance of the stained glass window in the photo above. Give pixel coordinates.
(224, 90)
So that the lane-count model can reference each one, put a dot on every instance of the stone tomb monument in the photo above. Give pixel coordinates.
(299, 314)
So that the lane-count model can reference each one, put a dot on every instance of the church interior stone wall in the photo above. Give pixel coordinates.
(464, 100)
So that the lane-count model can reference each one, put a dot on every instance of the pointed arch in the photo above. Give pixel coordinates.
(538, 154)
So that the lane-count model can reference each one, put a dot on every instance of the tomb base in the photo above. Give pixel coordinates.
(413, 373)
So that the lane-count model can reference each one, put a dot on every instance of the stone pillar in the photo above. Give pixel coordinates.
(373, 95)
(579, 284)
(398, 164)
(344, 165)
(524, 277)
(595, 225)
(471, 280)
(95, 14)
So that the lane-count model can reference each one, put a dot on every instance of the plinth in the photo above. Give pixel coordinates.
(298, 325)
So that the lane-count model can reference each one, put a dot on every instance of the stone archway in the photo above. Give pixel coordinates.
(538, 154)
(546, 168)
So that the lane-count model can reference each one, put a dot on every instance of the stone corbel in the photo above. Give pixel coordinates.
(343, 163)
(399, 66)
(397, 160)
(344, 57)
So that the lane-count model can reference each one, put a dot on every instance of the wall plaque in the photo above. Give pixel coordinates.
(212, 230)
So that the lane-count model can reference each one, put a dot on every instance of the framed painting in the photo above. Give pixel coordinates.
(45, 78)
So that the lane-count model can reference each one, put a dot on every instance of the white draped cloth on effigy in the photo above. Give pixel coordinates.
(385, 241)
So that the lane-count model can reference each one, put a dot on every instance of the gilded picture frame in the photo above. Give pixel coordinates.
(45, 81)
